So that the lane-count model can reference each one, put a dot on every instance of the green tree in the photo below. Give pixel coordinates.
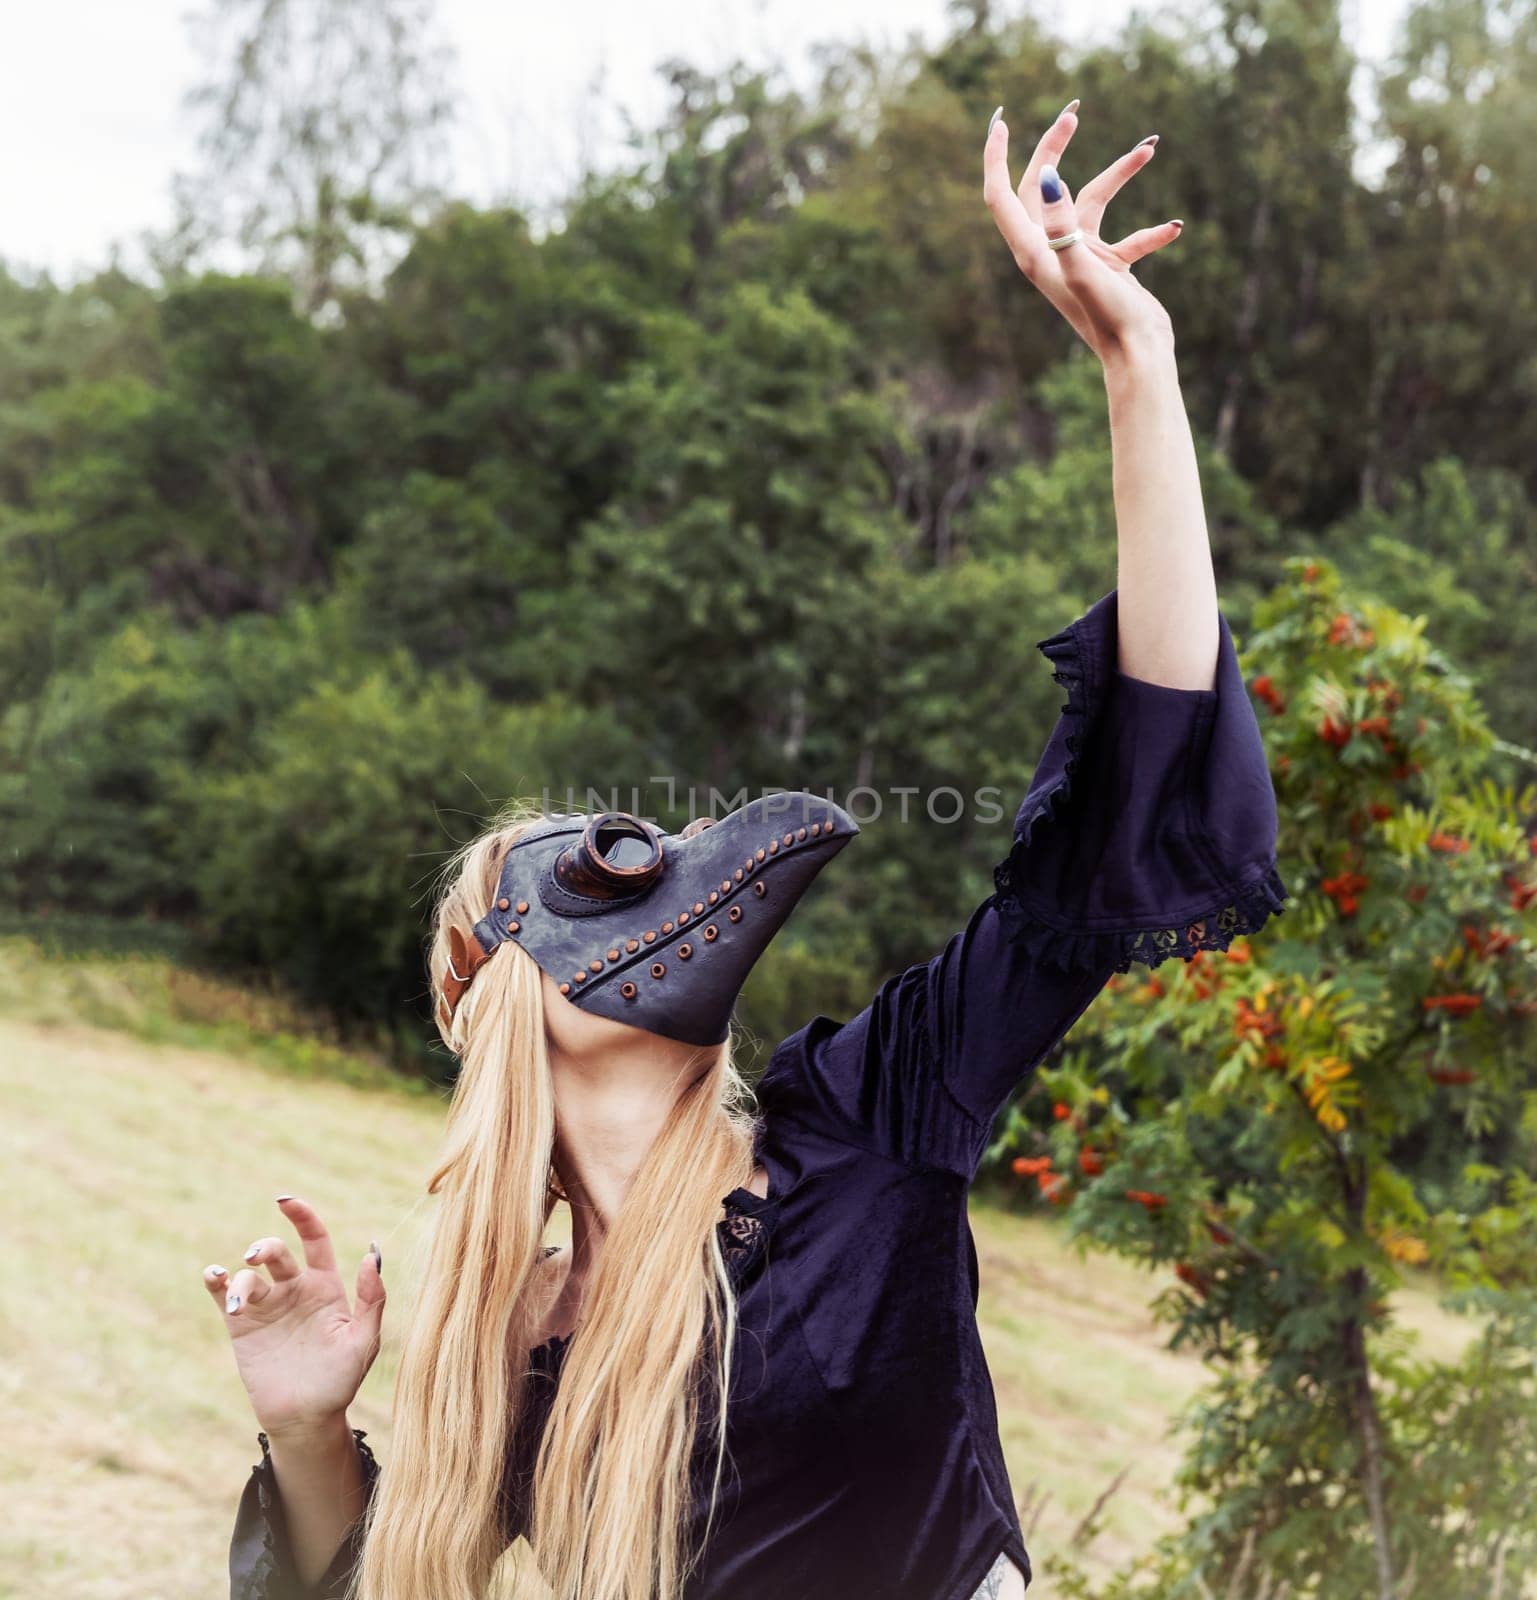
(1259, 1120)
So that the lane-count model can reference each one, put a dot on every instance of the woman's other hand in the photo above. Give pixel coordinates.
(1089, 282)
(301, 1352)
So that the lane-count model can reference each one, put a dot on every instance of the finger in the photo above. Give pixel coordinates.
(1059, 215)
(275, 1256)
(216, 1281)
(1048, 151)
(1014, 223)
(246, 1289)
(368, 1307)
(1084, 276)
(312, 1234)
(1103, 187)
(1146, 240)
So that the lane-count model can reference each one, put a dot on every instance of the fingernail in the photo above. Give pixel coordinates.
(252, 1253)
(232, 1303)
(1152, 138)
(1179, 222)
(1072, 105)
(283, 1197)
(993, 121)
(1051, 184)
(378, 1259)
(217, 1272)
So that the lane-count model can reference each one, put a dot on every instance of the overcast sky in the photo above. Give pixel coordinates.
(92, 124)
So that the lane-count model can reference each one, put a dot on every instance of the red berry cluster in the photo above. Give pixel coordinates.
(1344, 629)
(1345, 891)
(1448, 844)
(1451, 1074)
(1521, 894)
(1264, 689)
(1487, 942)
(1458, 1005)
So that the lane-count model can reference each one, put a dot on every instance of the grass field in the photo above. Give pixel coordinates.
(145, 1129)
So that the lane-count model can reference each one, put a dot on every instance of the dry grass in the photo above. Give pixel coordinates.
(132, 1164)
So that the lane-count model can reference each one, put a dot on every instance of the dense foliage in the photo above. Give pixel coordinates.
(764, 467)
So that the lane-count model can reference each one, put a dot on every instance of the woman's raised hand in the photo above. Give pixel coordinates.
(301, 1352)
(1090, 282)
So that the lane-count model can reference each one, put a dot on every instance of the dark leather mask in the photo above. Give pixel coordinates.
(655, 929)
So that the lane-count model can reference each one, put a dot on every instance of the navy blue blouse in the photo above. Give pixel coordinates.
(864, 1455)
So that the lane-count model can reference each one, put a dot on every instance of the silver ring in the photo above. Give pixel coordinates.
(1066, 239)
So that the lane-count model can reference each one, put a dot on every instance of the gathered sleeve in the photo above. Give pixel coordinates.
(261, 1563)
(1148, 831)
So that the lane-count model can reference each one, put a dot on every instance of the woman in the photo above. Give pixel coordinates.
(807, 1254)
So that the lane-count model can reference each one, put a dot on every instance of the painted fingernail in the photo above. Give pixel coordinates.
(992, 121)
(253, 1252)
(1152, 138)
(378, 1259)
(283, 1197)
(1051, 184)
(1179, 222)
(216, 1272)
(1072, 105)
(232, 1303)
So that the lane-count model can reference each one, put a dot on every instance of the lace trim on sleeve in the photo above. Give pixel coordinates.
(272, 1576)
(1241, 909)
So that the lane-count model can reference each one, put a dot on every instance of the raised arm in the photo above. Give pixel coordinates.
(1149, 827)
(1167, 590)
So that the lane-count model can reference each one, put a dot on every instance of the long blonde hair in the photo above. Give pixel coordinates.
(611, 1495)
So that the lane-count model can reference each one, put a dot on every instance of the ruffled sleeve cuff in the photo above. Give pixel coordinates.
(1149, 828)
(261, 1564)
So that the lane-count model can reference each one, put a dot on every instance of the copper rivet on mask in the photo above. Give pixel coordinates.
(737, 874)
(759, 854)
(789, 838)
(581, 977)
(760, 888)
(628, 990)
(649, 937)
(658, 970)
(713, 896)
(522, 908)
(725, 885)
(503, 903)
(800, 833)
(685, 951)
(816, 828)
(512, 927)
(735, 913)
(632, 945)
(711, 933)
(594, 966)
(565, 988)
(682, 918)
(666, 927)
(699, 908)
(773, 847)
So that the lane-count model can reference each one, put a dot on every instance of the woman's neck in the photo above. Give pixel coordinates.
(612, 1098)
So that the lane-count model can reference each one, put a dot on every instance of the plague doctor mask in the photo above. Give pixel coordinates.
(655, 929)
